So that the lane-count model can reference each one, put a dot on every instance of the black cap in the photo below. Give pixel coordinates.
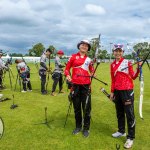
(49, 50)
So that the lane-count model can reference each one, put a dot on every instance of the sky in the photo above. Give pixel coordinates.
(63, 23)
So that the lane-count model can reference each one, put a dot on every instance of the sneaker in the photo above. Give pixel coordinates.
(29, 90)
(44, 93)
(128, 144)
(85, 133)
(118, 134)
(23, 91)
(76, 131)
(53, 94)
(61, 92)
(2, 87)
(1, 95)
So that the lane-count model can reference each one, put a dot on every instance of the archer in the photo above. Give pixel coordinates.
(122, 92)
(81, 63)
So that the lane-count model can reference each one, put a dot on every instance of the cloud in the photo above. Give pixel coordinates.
(64, 23)
(94, 9)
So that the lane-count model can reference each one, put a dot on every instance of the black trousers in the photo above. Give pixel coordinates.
(1, 81)
(57, 77)
(79, 100)
(124, 102)
(1, 77)
(26, 82)
(42, 74)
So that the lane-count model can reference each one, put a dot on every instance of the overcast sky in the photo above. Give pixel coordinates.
(63, 23)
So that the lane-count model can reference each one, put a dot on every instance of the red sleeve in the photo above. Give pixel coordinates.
(91, 67)
(68, 66)
(133, 74)
(112, 79)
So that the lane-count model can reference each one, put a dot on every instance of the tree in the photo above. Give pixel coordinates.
(53, 51)
(94, 46)
(36, 50)
(103, 54)
(143, 47)
(128, 56)
(95, 43)
(16, 55)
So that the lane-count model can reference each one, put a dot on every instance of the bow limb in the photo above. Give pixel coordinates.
(145, 59)
(141, 90)
(141, 79)
(96, 60)
(141, 96)
(48, 73)
(97, 49)
(24, 60)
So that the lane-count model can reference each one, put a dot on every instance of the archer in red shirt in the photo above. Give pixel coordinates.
(122, 92)
(82, 67)
(122, 80)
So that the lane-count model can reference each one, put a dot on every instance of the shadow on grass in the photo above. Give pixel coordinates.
(46, 122)
(105, 129)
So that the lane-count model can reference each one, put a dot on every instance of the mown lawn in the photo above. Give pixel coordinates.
(21, 133)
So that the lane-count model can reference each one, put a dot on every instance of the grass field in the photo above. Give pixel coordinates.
(21, 133)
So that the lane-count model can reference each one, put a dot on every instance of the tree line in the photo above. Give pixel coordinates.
(38, 49)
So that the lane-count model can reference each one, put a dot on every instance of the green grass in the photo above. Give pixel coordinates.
(21, 133)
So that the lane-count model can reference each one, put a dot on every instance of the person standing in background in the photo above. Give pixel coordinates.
(57, 74)
(44, 69)
(24, 73)
(2, 67)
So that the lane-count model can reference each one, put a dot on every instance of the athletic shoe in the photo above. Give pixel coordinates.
(2, 87)
(23, 91)
(1, 95)
(128, 144)
(85, 133)
(44, 93)
(76, 131)
(118, 134)
(53, 94)
(29, 90)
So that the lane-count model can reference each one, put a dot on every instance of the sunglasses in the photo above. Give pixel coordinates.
(118, 46)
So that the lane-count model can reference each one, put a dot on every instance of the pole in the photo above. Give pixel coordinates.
(110, 53)
(10, 79)
(48, 73)
(68, 113)
(16, 83)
